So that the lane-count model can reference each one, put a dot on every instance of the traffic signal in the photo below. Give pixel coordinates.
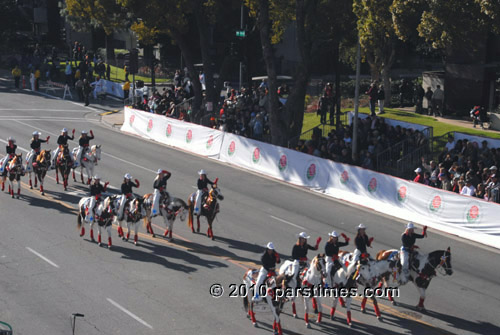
(240, 33)
(133, 66)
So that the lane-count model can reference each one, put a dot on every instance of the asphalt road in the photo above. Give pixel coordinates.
(47, 272)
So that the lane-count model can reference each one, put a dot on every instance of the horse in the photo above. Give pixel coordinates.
(89, 162)
(40, 167)
(312, 278)
(14, 171)
(208, 209)
(64, 164)
(274, 302)
(169, 211)
(342, 279)
(422, 268)
(103, 215)
(133, 212)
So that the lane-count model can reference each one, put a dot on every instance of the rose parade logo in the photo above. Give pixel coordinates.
(131, 120)
(150, 125)
(344, 177)
(402, 194)
(283, 163)
(436, 204)
(372, 185)
(311, 171)
(169, 130)
(189, 136)
(473, 212)
(210, 141)
(256, 155)
(232, 148)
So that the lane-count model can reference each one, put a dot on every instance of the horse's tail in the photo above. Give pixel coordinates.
(79, 220)
(190, 215)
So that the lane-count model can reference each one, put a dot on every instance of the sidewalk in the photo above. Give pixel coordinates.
(113, 119)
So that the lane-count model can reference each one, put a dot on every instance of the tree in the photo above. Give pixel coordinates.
(11, 23)
(377, 38)
(105, 14)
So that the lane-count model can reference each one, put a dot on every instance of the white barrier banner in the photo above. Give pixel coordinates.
(188, 136)
(391, 122)
(465, 216)
(492, 143)
(115, 89)
(281, 163)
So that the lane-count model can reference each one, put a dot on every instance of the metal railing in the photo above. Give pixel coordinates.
(406, 164)
(325, 130)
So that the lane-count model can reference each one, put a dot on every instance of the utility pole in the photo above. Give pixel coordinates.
(241, 62)
(356, 104)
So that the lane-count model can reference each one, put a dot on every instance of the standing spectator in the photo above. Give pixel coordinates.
(428, 97)
(79, 89)
(322, 108)
(87, 89)
(16, 73)
(126, 90)
(450, 145)
(403, 92)
(68, 72)
(434, 182)
(437, 101)
(468, 188)
(108, 72)
(427, 178)
(455, 187)
(373, 94)
(38, 74)
(431, 167)
(32, 80)
(493, 189)
(419, 95)
(381, 99)
(480, 191)
(419, 178)
(445, 182)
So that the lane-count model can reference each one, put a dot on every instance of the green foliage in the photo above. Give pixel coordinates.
(11, 22)
(106, 14)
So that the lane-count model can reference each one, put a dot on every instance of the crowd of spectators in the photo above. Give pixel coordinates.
(374, 137)
(464, 167)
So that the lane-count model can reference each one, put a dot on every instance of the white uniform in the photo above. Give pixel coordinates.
(90, 210)
(197, 201)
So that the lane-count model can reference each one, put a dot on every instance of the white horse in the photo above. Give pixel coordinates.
(269, 302)
(89, 161)
(132, 213)
(169, 210)
(14, 172)
(423, 268)
(103, 216)
(287, 269)
(313, 278)
(342, 280)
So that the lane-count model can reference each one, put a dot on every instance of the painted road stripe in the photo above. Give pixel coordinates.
(43, 257)
(287, 222)
(129, 313)
(44, 110)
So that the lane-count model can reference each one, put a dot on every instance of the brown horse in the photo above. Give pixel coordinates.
(41, 166)
(64, 164)
(209, 209)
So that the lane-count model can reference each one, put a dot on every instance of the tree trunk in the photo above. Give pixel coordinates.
(110, 50)
(386, 77)
(277, 120)
(205, 47)
(338, 98)
(187, 53)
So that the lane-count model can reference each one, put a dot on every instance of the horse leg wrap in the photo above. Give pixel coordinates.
(319, 317)
(389, 295)
(99, 238)
(315, 304)
(342, 302)
(120, 231)
(109, 242)
(170, 234)
(82, 231)
(421, 302)
(349, 321)
(31, 184)
(18, 191)
(280, 331)
(294, 310)
(252, 316)
(363, 304)
(274, 325)
(88, 181)
(92, 234)
(306, 318)
(128, 236)
(166, 233)
(332, 312)
(3, 186)
(41, 188)
(135, 239)
(375, 307)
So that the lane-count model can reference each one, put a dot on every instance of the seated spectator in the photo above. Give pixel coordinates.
(419, 178)
(445, 182)
(455, 187)
(480, 191)
(468, 188)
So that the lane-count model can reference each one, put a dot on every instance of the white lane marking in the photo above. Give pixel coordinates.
(42, 110)
(129, 313)
(287, 222)
(43, 257)
(104, 153)
(38, 119)
(58, 98)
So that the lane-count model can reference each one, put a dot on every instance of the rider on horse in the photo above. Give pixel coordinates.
(160, 189)
(361, 241)
(96, 190)
(84, 142)
(62, 141)
(36, 144)
(332, 251)
(269, 260)
(126, 193)
(202, 182)
(11, 152)
(299, 252)
(408, 238)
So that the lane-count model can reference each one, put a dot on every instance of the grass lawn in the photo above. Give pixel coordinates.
(118, 75)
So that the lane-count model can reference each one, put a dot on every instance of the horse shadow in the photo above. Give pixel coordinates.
(63, 196)
(188, 257)
(240, 245)
(136, 254)
(44, 203)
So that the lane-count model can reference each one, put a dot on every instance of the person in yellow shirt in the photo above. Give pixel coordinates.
(37, 79)
(125, 68)
(16, 73)
(126, 90)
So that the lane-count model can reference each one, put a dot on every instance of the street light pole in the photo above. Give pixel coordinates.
(241, 63)
(356, 104)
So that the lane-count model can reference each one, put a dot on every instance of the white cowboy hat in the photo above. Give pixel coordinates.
(361, 226)
(270, 245)
(159, 171)
(333, 234)
(201, 172)
(493, 168)
(127, 176)
(418, 170)
(64, 130)
(304, 235)
(36, 133)
(410, 225)
(97, 177)
(11, 139)
(84, 132)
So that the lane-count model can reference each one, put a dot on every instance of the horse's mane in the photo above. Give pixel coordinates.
(384, 254)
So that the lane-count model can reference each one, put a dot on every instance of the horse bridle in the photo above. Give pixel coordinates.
(440, 265)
